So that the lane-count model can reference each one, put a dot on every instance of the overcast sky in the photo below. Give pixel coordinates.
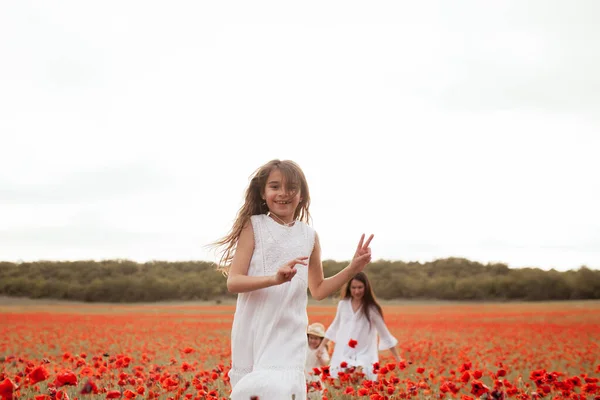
(464, 128)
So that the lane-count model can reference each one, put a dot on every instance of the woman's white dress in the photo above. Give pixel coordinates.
(349, 325)
(268, 337)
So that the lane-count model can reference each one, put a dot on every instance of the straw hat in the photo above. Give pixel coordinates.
(316, 329)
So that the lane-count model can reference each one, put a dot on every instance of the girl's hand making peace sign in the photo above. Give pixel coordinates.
(362, 256)
(288, 270)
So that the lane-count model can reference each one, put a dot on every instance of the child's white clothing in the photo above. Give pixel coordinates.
(349, 325)
(312, 361)
(268, 337)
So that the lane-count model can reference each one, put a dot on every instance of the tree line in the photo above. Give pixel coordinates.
(443, 279)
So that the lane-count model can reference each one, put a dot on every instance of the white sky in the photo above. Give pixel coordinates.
(465, 128)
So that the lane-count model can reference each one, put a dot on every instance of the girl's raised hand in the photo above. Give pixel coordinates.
(362, 256)
(321, 353)
(288, 270)
(321, 348)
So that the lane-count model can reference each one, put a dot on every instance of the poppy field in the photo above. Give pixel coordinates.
(181, 351)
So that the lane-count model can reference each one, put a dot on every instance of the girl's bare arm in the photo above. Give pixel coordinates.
(321, 288)
(238, 280)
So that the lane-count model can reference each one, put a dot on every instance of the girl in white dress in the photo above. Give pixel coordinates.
(358, 321)
(271, 256)
(316, 357)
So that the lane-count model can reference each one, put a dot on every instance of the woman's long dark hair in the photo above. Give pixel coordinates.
(368, 299)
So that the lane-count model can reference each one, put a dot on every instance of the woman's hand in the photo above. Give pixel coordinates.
(288, 270)
(362, 256)
(395, 354)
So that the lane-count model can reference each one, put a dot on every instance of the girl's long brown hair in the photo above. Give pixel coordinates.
(255, 205)
(368, 299)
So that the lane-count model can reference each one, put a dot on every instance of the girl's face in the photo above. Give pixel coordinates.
(282, 198)
(314, 341)
(357, 289)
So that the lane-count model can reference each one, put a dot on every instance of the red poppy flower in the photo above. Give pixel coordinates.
(7, 388)
(589, 388)
(575, 381)
(465, 377)
(38, 374)
(65, 378)
(89, 387)
(465, 367)
(61, 395)
(478, 388)
(113, 394)
(352, 343)
(186, 367)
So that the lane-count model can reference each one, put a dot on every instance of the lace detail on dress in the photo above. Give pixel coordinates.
(282, 368)
(277, 244)
(281, 245)
(240, 370)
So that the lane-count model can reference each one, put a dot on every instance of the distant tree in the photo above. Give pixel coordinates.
(446, 279)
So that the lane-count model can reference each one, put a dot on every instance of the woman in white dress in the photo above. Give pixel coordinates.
(271, 256)
(316, 357)
(357, 323)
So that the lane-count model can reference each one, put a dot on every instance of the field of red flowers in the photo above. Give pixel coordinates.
(488, 351)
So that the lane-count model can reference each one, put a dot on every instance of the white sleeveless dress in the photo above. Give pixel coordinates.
(268, 337)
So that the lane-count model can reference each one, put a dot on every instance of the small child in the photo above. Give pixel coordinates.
(316, 357)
